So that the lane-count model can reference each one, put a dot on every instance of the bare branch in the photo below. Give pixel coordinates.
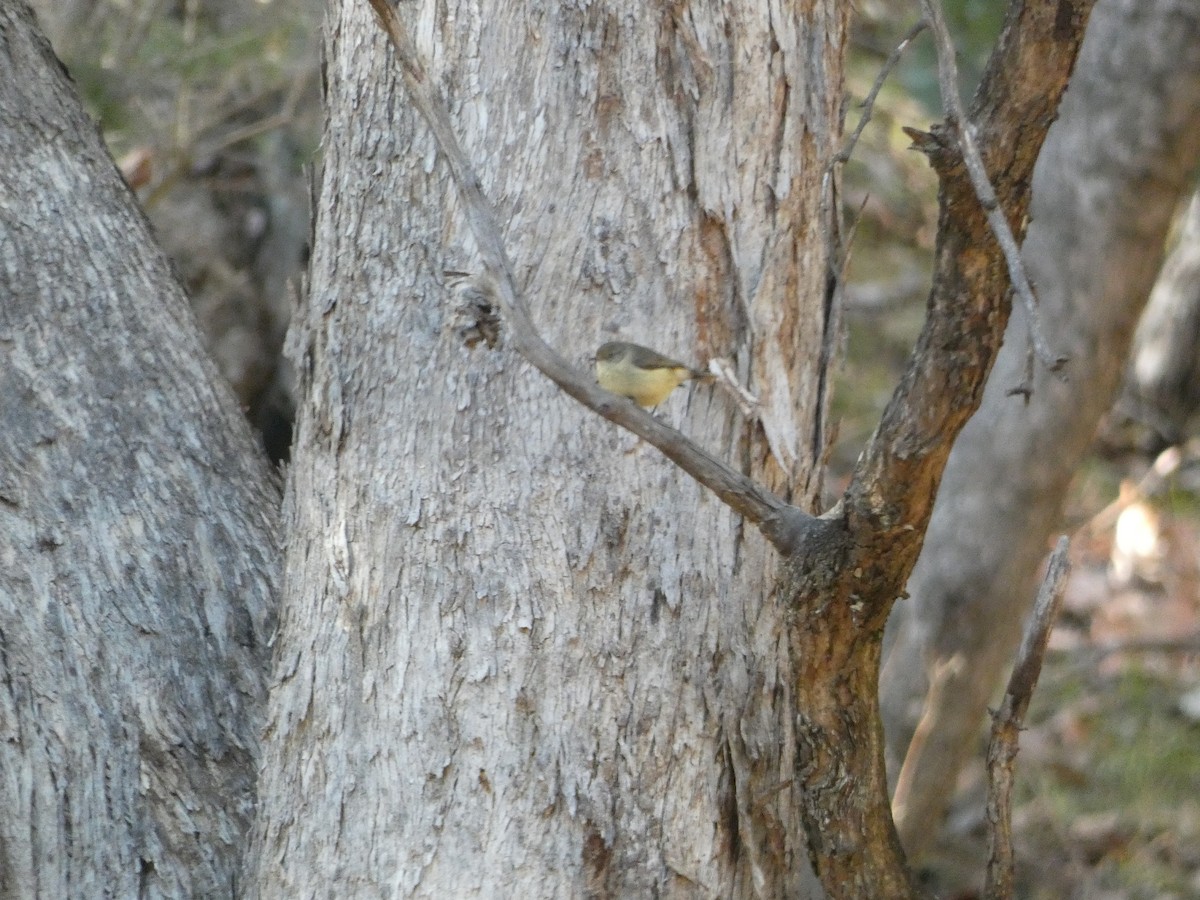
(948, 84)
(726, 379)
(781, 523)
(839, 247)
(1008, 720)
(1024, 388)
(868, 105)
(1165, 465)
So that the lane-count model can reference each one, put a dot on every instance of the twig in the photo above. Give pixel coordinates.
(1008, 720)
(725, 378)
(968, 299)
(1024, 388)
(948, 84)
(839, 261)
(782, 524)
(868, 105)
(847, 245)
(285, 115)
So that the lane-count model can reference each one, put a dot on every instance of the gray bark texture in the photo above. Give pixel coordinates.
(522, 654)
(215, 151)
(138, 544)
(1107, 182)
(1166, 363)
(214, 132)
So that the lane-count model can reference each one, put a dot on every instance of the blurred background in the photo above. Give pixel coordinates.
(212, 110)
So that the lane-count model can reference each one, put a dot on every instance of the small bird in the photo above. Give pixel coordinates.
(641, 374)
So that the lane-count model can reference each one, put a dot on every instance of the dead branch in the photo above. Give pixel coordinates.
(939, 680)
(868, 105)
(1008, 720)
(891, 492)
(1165, 465)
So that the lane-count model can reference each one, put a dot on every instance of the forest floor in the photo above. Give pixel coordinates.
(1107, 803)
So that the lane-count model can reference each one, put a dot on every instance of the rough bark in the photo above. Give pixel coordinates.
(1104, 189)
(137, 532)
(523, 654)
(220, 148)
(505, 686)
(1009, 719)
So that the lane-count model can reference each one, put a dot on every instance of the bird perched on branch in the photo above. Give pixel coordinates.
(643, 375)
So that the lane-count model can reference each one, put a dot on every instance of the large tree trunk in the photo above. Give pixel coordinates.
(137, 532)
(1107, 182)
(522, 654)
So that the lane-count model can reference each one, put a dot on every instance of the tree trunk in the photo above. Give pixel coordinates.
(138, 532)
(522, 654)
(1106, 185)
(1166, 364)
(219, 151)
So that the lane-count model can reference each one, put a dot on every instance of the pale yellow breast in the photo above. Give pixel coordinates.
(646, 387)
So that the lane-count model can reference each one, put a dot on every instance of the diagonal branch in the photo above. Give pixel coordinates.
(868, 105)
(782, 524)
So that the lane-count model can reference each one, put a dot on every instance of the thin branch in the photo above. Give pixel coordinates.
(839, 251)
(868, 105)
(839, 262)
(285, 116)
(1024, 388)
(1008, 720)
(948, 84)
(781, 523)
(889, 498)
